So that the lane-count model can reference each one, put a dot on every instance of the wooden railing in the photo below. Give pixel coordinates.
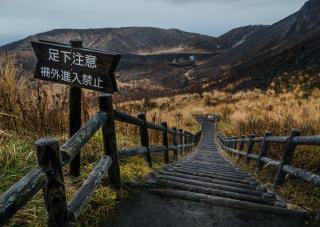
(48, 176)
(235, 145)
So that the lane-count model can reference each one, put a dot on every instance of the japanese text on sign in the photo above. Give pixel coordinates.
(72, 77)
(73, 58)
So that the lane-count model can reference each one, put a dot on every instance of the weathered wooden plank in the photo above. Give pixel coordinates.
(209, 185)
(173, 148)
(155, 126)
(253, 156)
(245, 139)
(124, 117)
(207, 179)
(214, 170)
(277, 139)
(157, 149)
(209, 166)
(216, 173)
(270, 161)
(302, 174)
(212, 176)
(227, 202)
(240, 153)
(124, 153)
(71, 148)
(306, 140)
(88, 187)
(20, 193)
(54, 191)
(210, 191)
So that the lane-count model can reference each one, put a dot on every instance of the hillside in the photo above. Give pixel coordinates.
(242, 58)
(146, 51)
(290, 44)
(122, 40)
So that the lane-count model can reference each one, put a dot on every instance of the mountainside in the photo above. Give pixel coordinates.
(244, 57)
(290, 44)
(146, 51)
(121, 40)
(279, 36)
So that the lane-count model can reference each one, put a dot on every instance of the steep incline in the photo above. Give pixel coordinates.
(205, 190)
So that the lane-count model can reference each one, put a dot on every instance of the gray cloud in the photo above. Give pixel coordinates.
(250, 2)
(213, 17)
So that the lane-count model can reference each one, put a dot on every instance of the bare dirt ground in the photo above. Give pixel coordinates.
(146, 209)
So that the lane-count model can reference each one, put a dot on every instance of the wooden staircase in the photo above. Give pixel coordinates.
(206, 176)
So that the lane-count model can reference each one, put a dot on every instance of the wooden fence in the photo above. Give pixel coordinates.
(235, 145)
(48, 176)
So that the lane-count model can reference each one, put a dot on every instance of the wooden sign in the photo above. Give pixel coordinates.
(79, 67)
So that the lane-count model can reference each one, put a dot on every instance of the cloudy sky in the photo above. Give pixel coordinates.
(20, 18)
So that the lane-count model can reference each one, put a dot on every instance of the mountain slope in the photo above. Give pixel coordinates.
(246, 57)
(290, 44)
(122, 40)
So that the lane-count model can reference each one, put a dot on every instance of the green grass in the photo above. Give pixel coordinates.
(298, 193)
(18, 157)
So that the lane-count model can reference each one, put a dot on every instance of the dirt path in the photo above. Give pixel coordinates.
(146, 209)
(204, 190)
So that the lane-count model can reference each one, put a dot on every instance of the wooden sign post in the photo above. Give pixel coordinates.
(79, 68)
(75, 117)
(76, 66)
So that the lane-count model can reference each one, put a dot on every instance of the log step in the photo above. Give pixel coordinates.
(206, 176)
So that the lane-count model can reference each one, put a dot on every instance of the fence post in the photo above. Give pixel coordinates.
(185, 141)
(54, 194)
(165, 141)
(241, 146)
(174, 143)
(110, 140)
(144, 138)
(286, 158)
(181, 141)
(263, 150)
(224, 141)
(192, 140)
(189, 141)
(250, 147)
(228, 144)
(75, 116)
(235, 145)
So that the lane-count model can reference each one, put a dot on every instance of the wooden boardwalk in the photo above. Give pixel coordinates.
(220, 189)
(208, 176)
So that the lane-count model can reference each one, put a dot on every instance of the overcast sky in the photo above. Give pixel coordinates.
(20, 18)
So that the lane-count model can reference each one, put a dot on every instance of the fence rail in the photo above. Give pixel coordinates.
(51, 158)
(235, 145)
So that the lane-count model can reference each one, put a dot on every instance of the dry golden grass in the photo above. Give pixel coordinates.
(29, 110)
(254, 112)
